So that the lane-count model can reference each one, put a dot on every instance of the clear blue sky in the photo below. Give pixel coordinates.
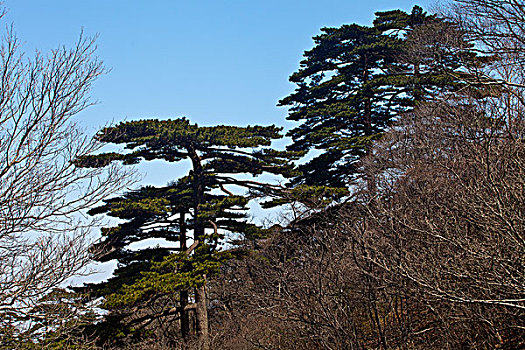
(214, 61)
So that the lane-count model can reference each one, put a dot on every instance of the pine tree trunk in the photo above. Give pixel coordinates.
(370, 179)
(184, 315)
(418, 96)
(201, 311)
(183, 295)
(202, 317)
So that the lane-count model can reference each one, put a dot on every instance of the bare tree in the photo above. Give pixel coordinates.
(448, 220)
(44, 234)
(497, 29)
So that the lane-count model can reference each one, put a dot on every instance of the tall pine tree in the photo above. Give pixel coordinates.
(356, 81)
(167, 285)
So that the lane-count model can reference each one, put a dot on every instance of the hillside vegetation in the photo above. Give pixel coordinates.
(406, 230)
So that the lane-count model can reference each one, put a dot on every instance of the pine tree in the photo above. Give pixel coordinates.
(356, 81)
(191, 214)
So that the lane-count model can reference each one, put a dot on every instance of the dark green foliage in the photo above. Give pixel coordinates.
(357, 79)
(57, 322)
(315, 197)
(190, 214)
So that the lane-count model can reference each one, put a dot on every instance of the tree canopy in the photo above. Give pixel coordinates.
(358, 79)
(191, 214)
